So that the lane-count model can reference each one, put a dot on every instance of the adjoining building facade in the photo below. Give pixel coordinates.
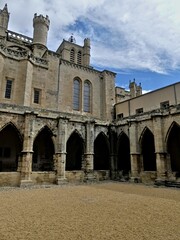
(62, 120)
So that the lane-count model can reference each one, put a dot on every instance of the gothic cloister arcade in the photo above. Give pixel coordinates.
(148, 150)
(10, 148)
(75, 152)
(101, 152)
(109, 152)
(43, 148)
(173, 147)
(123, 152)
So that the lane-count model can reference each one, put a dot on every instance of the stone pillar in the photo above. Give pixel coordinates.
(134, 152)
(25, 166)
(113, 152)
(89, 152)
(135, 167)
(61, 151)
(161, 166)
(161, 161)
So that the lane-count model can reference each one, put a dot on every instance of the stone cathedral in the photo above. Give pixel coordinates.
(61, 120)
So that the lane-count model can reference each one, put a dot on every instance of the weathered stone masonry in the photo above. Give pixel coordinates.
(61, 120)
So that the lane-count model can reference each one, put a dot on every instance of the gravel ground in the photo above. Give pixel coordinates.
(96, 211)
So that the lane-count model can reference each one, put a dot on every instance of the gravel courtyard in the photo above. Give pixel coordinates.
(97, 211)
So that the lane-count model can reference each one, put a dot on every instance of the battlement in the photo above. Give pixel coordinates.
(41, 19)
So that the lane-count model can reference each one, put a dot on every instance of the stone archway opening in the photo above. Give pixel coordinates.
(173, 148)
(43, 148)
(148, 151)
(75, 152)
(124, 164)
(101, 153)
(10, 148)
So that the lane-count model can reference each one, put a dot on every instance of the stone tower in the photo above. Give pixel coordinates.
(4, 19)
(41, 27)
(87, 51)
(135, 90)
(132, 87)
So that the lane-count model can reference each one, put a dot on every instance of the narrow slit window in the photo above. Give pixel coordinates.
(8, 89)
(36, 96)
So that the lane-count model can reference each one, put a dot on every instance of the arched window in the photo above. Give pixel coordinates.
(79, 58)
(76, 94)
(87, 96)
(72, 55)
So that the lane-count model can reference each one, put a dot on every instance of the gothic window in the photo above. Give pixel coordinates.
(76, 94)
(87, 96)
(37, 96)
(8, 89)
(79, 58)
(72, 55)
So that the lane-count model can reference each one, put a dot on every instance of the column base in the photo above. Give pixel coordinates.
(26, 183)
(89, 178)
(135, 180)
(61, 181)
(160, 182)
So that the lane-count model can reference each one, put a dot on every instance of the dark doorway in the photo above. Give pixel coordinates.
(124, 163)
(75, 152)
(10, 148)
(101, 153)
(173, 147)
(43, 148)
(148, 151)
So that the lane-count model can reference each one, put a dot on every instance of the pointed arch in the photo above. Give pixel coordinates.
(76, 93)
(101, 152)
(148, 150)
(173, 146)
(10, 147)
(173, 124)
(75, 151)
(43, 148)
(123, 151)
(14, 126)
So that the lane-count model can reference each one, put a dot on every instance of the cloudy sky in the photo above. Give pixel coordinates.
(135, 38)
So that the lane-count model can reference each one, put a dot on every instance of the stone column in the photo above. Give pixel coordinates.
(161, 161)
(89, 152)
(113, 152)
(25, 166)
(134, 152)
(61, 151)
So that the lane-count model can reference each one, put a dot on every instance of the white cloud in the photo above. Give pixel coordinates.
(125, 34)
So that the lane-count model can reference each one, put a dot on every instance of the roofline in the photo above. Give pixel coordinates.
(147, 93)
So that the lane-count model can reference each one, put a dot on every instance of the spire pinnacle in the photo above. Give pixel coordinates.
(5, 9)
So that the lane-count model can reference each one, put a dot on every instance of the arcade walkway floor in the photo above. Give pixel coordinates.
(97, 211)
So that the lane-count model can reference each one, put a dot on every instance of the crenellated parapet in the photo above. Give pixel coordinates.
(41, 19)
